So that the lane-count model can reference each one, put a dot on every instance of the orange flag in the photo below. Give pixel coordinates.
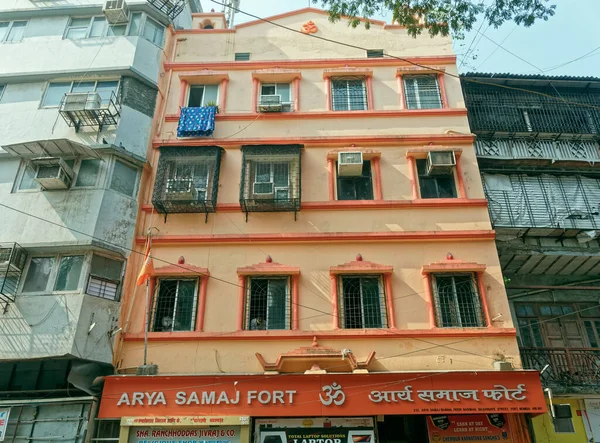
(148, 266)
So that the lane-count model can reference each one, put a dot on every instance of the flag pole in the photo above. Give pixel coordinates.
(147, 321)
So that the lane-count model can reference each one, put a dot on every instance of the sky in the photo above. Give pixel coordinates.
(540, 49)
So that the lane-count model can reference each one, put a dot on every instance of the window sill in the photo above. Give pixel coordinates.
(342, 334)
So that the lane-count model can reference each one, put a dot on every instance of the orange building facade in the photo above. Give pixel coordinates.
(324, 264)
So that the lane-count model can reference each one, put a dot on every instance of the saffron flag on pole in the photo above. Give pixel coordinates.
(148, 266)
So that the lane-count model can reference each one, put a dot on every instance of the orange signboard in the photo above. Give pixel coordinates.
(324, 395)
(472, 428)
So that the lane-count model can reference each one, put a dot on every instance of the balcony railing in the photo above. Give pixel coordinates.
(567, 367)
(538, 149)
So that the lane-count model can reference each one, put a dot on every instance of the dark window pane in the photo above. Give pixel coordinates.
(351, 302)
(371, 297)
(196, 94)
(165, 306)
(184, 313)
(174, 307)
(545, 311)
(356, 188)
(434, 186)
(525, 334)
(69, 271)
(267, 306)
(276, 304)
(591, 333)
(457, 301)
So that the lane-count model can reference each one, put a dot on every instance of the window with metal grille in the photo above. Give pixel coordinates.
(105, 277)
(457, 302)
(267, 303)
(435, 186)
(242, 56)
(563, 419)
(203, 95)
(422, 92)
(362, 302)
(174, 307)
(187, 180)
(270, 178)
(356, 188)
(107, 430)
(374, 53)
(348, 94)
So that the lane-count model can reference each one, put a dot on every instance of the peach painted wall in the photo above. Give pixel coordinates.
(414, 344)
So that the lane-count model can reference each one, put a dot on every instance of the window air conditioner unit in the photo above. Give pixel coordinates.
(53, 173)
(116, 12)
(81, 101)
(350, 164)
(264, 189)
(440, 162)
(282, 193)
(270, 103)
(180, 189)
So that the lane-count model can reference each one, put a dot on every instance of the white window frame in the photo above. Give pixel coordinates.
(89, 28)
(77, 168)
(54, 274)
(290, 101)
(288, 301)
(478, 306)
(10, 26)
(415, 88)
(272, 177)
(112, 170)
(203, 103)
(143, 29)
(76, 82)
(88, 275)
(383, 308)
(156, 298)
(349, 107)
(207, 176)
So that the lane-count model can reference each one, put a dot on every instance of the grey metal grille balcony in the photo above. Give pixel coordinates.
(568, 368)
(537, 149)
(171, 8)
(12, 263)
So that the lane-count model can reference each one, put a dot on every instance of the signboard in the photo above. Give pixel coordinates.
(478, 428)
(4, 413)
(318, 435)
(592, 411)
(329, 395)
(222, 434)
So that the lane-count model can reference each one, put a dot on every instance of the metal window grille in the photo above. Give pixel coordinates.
(356, 188)
(90, 109)
(12, 263)
(362, 302)
(435, 186)
(348, 94)
(268, 303)
(457, 302)
(102, 287)
(107, 430)
(174, 307)
(494, 110)
(270, 179)
(187, 180)
(374, 53)
(171, 8)
(422, 92)
(242, 56)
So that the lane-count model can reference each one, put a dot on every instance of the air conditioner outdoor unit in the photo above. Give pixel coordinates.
(282, 193)
(263, 189)
(116, 12)
(270, 103)
(350, 164)
(181, 189)
(81, 101)
(440, 162)
(53, 173)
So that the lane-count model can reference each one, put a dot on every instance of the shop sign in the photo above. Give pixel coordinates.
(4, 413)
(468, 428)
(326, 395)
(229, 434)
(592, 411)
(317, 435)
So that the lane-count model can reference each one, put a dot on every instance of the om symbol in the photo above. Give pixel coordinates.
(332, 394)
(309, 28)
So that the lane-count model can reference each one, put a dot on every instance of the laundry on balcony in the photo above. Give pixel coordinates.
(196, 122)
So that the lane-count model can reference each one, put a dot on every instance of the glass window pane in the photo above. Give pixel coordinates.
(98, 27)
(55, 93)
(364, 188)
(196, 96)
(164, 306)
(371, 298)
(83, 86)
(77, 33)
(185, 309)
(17, 31)
(124, 178)
(281, 175)
(78, 28)
(263, 173)
(106, 89)
(69, 272)
(267, 89)
(28, 179)
(257, 304)
(283, 89)
(106, 267)
(134, 25)
(352, 303)
(346, 189)
(339, 95)
(3, 30)
(38, 274)
(357, 95)
(277, 304)
(116, 30)
(154, 32)
(210, 94)
(446, 187)
(88, 173)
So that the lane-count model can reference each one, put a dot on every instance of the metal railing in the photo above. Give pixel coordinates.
(566, 366)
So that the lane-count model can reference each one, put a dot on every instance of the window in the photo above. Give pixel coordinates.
(267, 303)
(356, 188)
(275, 94)
(12, 31)
(563, 419)
(422, 92)
(348, 94)
(38, 274)
(43, 277)
(435, 186)
(91, 27)
(374, 53)
(135, 24)
(362, 302)
(174, 307)
(124, 178)
(69, 271)
(56, 91)
(457, 301)
(154, 32)
(88, 173)
(202, 95)
(241, 56)
(28, 180)
(272, 179)
(2, 87)
(105, 277)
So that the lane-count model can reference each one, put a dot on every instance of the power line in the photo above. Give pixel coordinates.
(586, 55)
(496, 49)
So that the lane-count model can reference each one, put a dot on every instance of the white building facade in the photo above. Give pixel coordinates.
(78, 90)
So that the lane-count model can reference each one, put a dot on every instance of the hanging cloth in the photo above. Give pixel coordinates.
(195, 122)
